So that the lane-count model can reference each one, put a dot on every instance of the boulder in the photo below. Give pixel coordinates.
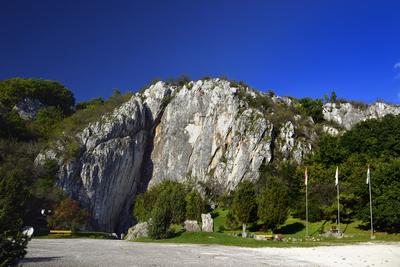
(192, 226)
(139, 230)
(207, 224)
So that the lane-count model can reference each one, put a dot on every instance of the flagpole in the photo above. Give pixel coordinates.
(306, 212)
(370, 203)
(338, 207)
(338, 204)
(306, 183)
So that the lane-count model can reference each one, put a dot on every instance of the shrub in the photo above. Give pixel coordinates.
(195, 206)
(312, 108)
(46, 120)
(68, 215)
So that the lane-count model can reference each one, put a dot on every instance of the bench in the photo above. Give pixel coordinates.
(60, 233)
(264, 237)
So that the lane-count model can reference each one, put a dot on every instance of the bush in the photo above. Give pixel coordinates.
(312, 108)
(46, 120)
(68, 215)
(195, 206)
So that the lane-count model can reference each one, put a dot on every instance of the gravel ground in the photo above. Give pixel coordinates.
(92, 252)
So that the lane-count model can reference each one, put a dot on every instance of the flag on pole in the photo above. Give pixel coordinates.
(337, 176)
(305, 177)
(368, 176)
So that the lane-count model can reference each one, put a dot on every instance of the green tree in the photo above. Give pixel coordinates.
(195, 206)
(385, 196)
(49, 93)
(161, 217)
(244, 204)
(13, 127)
(13, 197)
(330, 151)
(164, 204)
(333, 97)
(144, 204)
(46, 120)
(273, 204)
(312, 108)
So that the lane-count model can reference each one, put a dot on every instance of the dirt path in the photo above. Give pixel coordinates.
(91, 252)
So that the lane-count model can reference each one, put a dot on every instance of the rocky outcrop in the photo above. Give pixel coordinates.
(347, 115)
(191, 226)
(207, 223)
(28, 108)
(137, 231)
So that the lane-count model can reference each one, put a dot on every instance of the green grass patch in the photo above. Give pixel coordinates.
(94, 235)
(231, 240)
(294, 231)
(220, 218)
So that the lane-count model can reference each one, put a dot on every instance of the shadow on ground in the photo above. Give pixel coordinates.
(40, 259)
(291, 228)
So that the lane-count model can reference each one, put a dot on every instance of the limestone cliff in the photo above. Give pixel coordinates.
(207, 131)
(347, 115)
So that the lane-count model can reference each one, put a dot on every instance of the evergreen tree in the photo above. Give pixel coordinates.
(244, 204)
(273, 204)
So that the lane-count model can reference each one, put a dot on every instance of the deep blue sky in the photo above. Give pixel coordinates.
(298, 48)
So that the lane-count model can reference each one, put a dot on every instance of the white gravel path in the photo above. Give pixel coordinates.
(91, 252)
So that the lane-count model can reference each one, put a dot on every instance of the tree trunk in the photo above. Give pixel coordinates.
(244, 234)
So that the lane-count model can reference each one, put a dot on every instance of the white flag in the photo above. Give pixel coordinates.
(337, 176)
(368, 176)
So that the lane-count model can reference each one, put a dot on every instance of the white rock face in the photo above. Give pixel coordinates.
(346, 115)
(287, 136)
(203, 134)
(108, 170)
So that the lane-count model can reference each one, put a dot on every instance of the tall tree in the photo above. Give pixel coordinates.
(244, 204)
(273, 204)
(13, 196)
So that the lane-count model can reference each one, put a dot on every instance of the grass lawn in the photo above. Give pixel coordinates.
(293, 230)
